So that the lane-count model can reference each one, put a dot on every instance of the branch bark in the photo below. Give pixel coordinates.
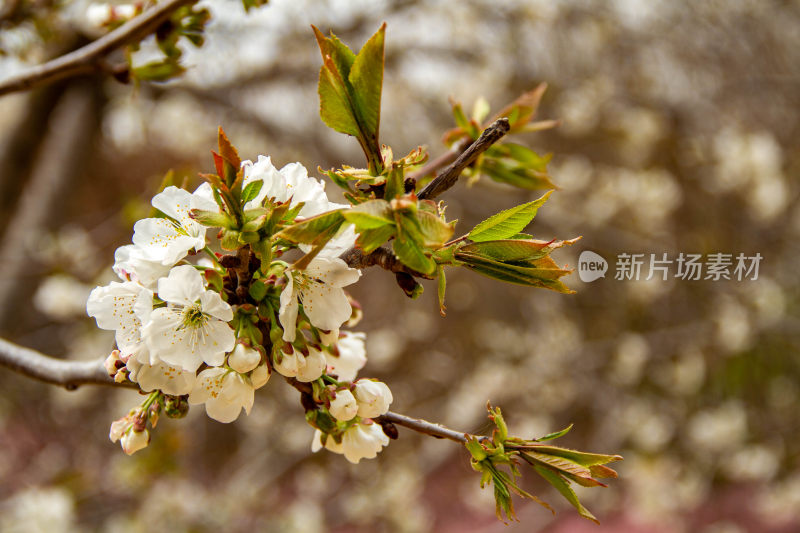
(68, 374)
(449, 175)
(87, 59)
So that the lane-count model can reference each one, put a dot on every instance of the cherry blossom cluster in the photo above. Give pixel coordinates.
(198, 327)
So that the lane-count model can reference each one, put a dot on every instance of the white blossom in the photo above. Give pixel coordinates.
(373, 398)
(243, 359)
(343, 406)
(168, 240)
(193, 328)
(131, 264)
(133, 441)
(319, 289)
(349, 356)
(224, 392)
(330, 444)
(121, 307)
(289, 183)
(166, 378)
(363, 440)
(260, 376)
(304, 368)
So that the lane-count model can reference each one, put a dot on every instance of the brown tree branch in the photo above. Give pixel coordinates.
(68, 374)
(88, 58)
(71, 374)
(449, 175)
(425, 427)
(384, 257)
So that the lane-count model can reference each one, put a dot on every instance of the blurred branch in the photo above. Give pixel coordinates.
(68, 374)
(55, 163)
(88, 58)
(449, 175)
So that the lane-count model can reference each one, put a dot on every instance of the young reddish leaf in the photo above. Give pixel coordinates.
(227, 151)
(522, 110)
(339, 52)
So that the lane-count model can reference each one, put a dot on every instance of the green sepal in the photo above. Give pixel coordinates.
(257, 290)
(214, 219)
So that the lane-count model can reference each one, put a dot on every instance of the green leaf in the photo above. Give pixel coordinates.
(309, 230)
(248, 4)
(251, 190)
(543, 273)
(516, 174)
(366, 77)
(582, 458)
(563, 487)
(573, 471)
(441, 288)
(395, 186)
(335, 108)
(555, 434)
(371, 239)
(410, 254)
(158, 70)
(515, 250)
(369, 215)
(507, 223)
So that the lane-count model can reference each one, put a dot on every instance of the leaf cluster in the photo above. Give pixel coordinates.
(498, 459)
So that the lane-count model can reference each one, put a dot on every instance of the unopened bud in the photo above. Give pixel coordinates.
(243, 359)
(176, 406)
(260, 376)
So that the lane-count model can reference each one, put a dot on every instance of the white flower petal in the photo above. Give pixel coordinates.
(213, 305)
(184, 286)
(326, 307)
(287, 314)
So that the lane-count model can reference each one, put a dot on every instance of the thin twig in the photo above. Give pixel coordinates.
(425, 427)
(383, 257)
(88, 58)
(449, 175)
(68, 374)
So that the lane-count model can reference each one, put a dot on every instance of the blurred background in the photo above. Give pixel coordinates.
(679, 127)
